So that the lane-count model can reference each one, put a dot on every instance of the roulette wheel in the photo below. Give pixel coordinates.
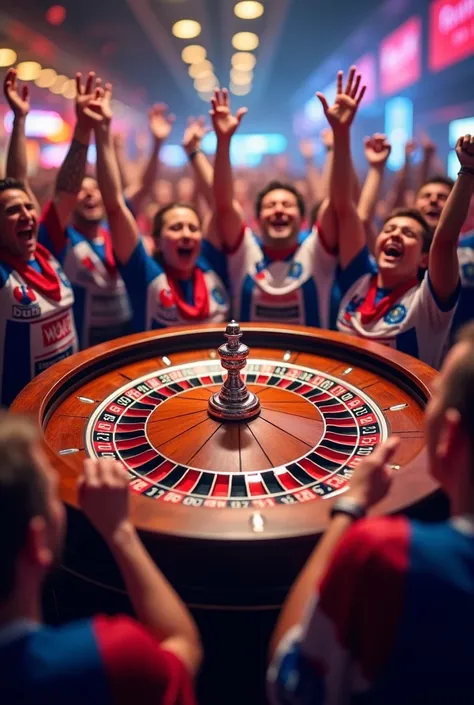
(235, 449)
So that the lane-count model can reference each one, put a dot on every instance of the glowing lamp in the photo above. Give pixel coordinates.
(186, 29)
(193, 54)
(245, 41)
(248, 10)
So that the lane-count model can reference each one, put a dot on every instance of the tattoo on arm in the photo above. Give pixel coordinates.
(73, 168)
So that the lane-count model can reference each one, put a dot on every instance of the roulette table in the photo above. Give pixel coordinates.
(229, 509)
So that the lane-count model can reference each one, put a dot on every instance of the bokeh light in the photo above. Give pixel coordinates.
(186, 29)
(245, 41)
(56, 14)
(7, 57)
(243, 61)
(204, 68)
(241, 78)
(28, 70)
(46, 78)
(193, 54)
(248, 10)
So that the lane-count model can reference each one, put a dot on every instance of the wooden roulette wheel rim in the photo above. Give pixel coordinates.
(229, 551)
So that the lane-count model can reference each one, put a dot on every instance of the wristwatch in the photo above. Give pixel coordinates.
(346, 505)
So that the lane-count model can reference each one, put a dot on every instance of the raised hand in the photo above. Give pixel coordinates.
(373, 476)
(225, 124)
(160, 121)
(465, 151)
(427, 145)
(341, 115)
(103, 495)
(410, 148)
(87, 100)
(19, 101)
(193, 134)
(377, 150)
(327, 138)
(307, 149)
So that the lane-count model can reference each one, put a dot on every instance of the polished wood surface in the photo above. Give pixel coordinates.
(63, 398)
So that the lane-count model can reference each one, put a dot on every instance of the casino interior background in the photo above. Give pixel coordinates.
(417, 57)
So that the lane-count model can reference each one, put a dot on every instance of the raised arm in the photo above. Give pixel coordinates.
(377, 151)
(370, 483)
(72, 171)
(443, 264)
(313, 177)
(104, 498)
(229, 215)
(161, 123)
(340, 117)
(122, 224)
(124, 166)
(202, 168)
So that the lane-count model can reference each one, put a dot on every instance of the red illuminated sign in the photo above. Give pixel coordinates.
(400, 57)
(451, 32)
(366, 67)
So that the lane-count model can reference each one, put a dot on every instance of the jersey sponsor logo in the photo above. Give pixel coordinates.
(166, 298)
(28, 307)
(397, 314)
(57, 330)
(296, 270)
(219, 296)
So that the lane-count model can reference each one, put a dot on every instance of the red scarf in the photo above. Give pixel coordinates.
(279, 255)
(370, 311)
(46, 282)
(200, 310)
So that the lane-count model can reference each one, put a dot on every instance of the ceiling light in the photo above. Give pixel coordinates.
(243, 61)
(205, 83)
(59, 83)
(245, 41)
(241, 78)
(204, 68)
(28, 70)
(69, 89)
(240, 90)
(186, 29)
(248, 10)
(7, 57)
(46, 78)
(193, 54)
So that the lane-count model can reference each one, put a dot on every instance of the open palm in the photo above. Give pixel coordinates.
(18, 101)
(160, 121)
(341, 115)
(225, 124)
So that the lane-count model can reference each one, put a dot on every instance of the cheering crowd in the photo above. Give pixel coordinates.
(109, 256)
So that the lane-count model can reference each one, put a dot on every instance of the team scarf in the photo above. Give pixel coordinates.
(200, 310)
(45, 282)
(370, 311)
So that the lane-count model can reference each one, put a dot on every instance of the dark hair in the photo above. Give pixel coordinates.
(158, 220)
(313, 216)
(275, 186)
(415, 214)
(22, 493)
(438, 179)
(10, 183)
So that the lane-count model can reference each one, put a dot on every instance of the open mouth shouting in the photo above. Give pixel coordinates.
(393, 251)
(186, 252)
(280, 223)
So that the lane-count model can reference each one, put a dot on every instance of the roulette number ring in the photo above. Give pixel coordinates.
(236, 446)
